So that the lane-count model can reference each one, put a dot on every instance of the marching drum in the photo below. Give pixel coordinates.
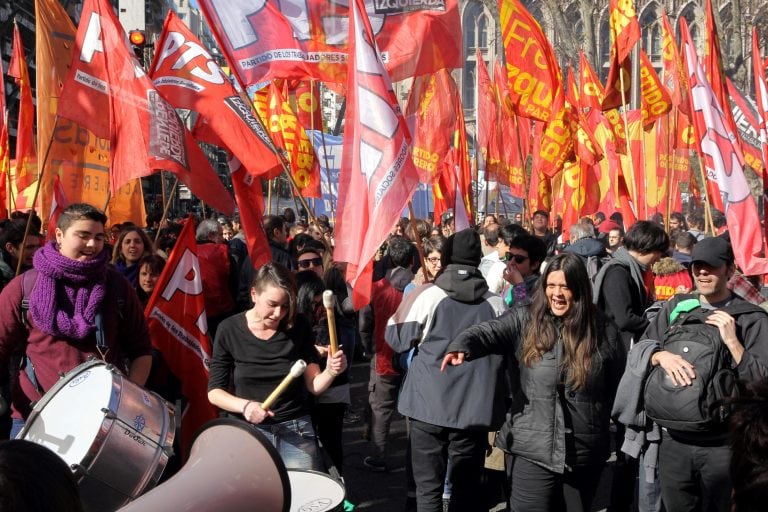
(314, 492)
(115, 435)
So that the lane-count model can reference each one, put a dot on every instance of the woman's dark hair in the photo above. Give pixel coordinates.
(309, 286)
(646, 237)
(34, 479)
(579, 325)
(156, 263)
(749, 448)
(277, 275)
(433, 244)
(117, 252)
(80, 211)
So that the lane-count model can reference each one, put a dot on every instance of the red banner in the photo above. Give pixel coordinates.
(377, 176)
(250, 200)
(625, 29)
(267, 39)
(179, 330)
(114, 99)
(675, 78)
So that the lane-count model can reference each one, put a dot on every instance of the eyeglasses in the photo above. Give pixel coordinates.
(519, 258)
(312, 262)
(434, 260)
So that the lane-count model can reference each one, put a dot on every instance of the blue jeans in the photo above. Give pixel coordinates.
(296, 442)
(16, 426)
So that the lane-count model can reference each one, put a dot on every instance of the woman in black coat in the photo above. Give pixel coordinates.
(564, 367)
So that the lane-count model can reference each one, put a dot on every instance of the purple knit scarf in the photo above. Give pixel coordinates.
(67, 293)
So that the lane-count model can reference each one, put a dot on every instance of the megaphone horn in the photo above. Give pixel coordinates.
(231, 467)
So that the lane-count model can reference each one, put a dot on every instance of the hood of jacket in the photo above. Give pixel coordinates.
(586, 247)
(399, 277)
(463, 283)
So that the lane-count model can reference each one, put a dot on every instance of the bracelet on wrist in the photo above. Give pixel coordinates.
(249, 402)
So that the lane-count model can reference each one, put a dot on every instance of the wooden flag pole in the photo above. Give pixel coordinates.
(167, 207)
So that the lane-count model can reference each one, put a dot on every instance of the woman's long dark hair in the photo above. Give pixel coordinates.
(579, 325)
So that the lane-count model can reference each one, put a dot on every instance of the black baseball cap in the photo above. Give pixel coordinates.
(714, 251)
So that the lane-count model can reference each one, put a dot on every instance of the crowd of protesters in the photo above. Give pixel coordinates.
(501, 341)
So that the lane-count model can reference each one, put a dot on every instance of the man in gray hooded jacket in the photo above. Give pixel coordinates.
(451, 413)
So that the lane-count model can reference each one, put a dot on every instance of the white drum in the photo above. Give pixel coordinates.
(116, 436)
(312, 491)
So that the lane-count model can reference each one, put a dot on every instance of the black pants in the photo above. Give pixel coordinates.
(535, 489)
(430, 447)
(694, 478)
(328, 420)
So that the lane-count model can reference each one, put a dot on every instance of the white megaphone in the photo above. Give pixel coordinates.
(231, 468)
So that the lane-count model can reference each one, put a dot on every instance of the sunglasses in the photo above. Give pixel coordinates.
(313, 262)
(519, 258)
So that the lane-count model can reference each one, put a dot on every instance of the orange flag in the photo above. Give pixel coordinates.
(308, 106)
(539, 192)
(591, 93)
(533, 73)
(26, 154)
(486, 110)
(5, 154)
(75, 154)
(179, 330)
(109, 93)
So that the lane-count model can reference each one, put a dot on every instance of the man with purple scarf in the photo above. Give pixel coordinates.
(70, 287)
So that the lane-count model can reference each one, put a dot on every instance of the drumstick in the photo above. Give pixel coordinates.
(328, 303)
(296, 371)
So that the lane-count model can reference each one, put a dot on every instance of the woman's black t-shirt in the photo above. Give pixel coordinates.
(260, 365)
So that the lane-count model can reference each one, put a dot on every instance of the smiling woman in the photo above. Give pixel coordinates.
(132, 244)
(567, 363)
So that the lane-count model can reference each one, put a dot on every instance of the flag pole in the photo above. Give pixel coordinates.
(270, 184)
(325, 157)
(167, 207)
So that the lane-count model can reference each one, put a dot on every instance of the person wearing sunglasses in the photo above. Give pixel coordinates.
(310, 259)
(524, 257)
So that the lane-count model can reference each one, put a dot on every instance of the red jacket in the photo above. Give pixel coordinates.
(385, 298)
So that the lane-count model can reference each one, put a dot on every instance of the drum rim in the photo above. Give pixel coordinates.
(54, 390)
(271, 451)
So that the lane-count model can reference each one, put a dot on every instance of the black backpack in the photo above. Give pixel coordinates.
(698, 407)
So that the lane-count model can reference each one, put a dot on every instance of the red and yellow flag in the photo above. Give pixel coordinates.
(288, 134)
(533, 73)
(26, 154)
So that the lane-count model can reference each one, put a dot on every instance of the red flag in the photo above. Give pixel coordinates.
(656, 101)
(533, 73)
(108, 93)
(625, 29)
(5, 152)
(675, 78)
(724, 162)
(250, 200)
(761, 98)
(486, 110)
(713, 69)
(26, 154)
(267, 39)
(431, 115)
(179, 330)
(308, 105)
(591, 93)
(377, 176)
(187, 76)
(748, 125)
(58, 203)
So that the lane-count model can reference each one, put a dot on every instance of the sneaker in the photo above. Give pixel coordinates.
(375, 464)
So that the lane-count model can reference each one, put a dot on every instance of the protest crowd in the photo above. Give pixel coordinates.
(607, 338)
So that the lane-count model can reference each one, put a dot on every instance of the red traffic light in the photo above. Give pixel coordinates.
(137, 37)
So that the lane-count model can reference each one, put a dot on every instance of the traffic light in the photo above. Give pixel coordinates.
(138, 40)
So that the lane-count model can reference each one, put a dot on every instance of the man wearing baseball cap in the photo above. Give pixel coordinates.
(694, 466)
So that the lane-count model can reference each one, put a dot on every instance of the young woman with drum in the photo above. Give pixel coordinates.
(258, 348)
(564, 369)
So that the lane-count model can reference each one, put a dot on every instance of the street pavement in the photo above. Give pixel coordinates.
(386, 492)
